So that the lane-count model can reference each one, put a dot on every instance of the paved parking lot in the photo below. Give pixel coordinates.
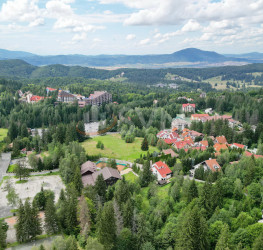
(5, 159)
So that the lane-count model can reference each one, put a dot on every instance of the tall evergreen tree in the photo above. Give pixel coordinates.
(20, 232)
(51, 220)
(101, 186)
(84, 217)
(3, 235)
(192, 191)
(146, 176)
(78, 181)
(106, 226)
(224, 238)
(144, 146)
(192, 231)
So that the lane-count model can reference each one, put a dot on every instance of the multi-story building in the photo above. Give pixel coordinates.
(98, 98)
(65, 96)
(188, 108)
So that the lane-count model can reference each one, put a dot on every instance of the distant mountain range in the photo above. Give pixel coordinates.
(190, 57)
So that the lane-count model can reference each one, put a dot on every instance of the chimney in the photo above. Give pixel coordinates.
(151, 163)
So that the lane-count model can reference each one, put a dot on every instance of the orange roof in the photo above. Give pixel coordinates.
(238, 145)
(221, 139)
(185, 134)
(213, 165)
(175, 129)
(189, 139)
(204, 143)
(186, 130)
(218, 147)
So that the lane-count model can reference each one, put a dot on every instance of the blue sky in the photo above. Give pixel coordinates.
(94, 27)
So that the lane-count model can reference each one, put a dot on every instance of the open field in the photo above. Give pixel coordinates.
(115, 147)
(3, 133)
(221, 84)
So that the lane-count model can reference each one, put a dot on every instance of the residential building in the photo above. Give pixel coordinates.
(48, 89)
(65, 96)
(161, 171)
(204, 143)
(208, 165)
(203, 95)
(188, 108)
(221, 140)
(89, 174)
(209, 111)
(180, 123)
(237, 145)
(98, 98)
(218, 147)
(30, 98)
(198, 117)
(170, 152)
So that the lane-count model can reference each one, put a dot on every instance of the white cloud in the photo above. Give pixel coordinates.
(79, 37)
(145, 41)
(21, 11)
(191, 25)
(107, 12)
(130, 37)
(97, 40)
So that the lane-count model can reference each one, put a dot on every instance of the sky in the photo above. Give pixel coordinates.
(93, 27)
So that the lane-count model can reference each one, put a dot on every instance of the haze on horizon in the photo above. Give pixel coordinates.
(92, 27)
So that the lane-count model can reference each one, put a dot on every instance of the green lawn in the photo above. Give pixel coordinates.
(130, 177)
(11, 168)
(3, 133)
(115, 147)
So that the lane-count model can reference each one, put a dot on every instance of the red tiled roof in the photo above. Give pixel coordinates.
(189, 140)
(170, 141)
(221, 139)
(162, 168)
(36, 98)
(247, 153)
(180, 144)
(170, 152)
(218, 147)
(199, 115)
(51, 89)
(213, 165)
(239, 145)
(189, 104)
(205, 143)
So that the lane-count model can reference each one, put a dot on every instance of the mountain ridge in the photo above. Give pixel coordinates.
(189, 57)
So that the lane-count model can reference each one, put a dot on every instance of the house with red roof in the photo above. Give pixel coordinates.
(188, 108)
(221, 139)
(247, 153)
(208, 165)
(204, 143)
(218, 147)
(36, 98)
(181, 144)
(237, 145)
(198, 117)
(161, 171)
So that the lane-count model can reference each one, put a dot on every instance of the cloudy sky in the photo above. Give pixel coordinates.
(130, 26)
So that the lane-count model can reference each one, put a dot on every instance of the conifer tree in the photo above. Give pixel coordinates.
(51, 220)
(192, 191)
(100, 186)
(223, 241)
(20, 232)
(3, 236)
(106, 226)
(84, 217)
(146, 176)
(78, 181)
(144, 146)
(128, 214)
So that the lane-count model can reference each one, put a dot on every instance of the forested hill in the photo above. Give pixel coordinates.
(190, 57)
(19, 68)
